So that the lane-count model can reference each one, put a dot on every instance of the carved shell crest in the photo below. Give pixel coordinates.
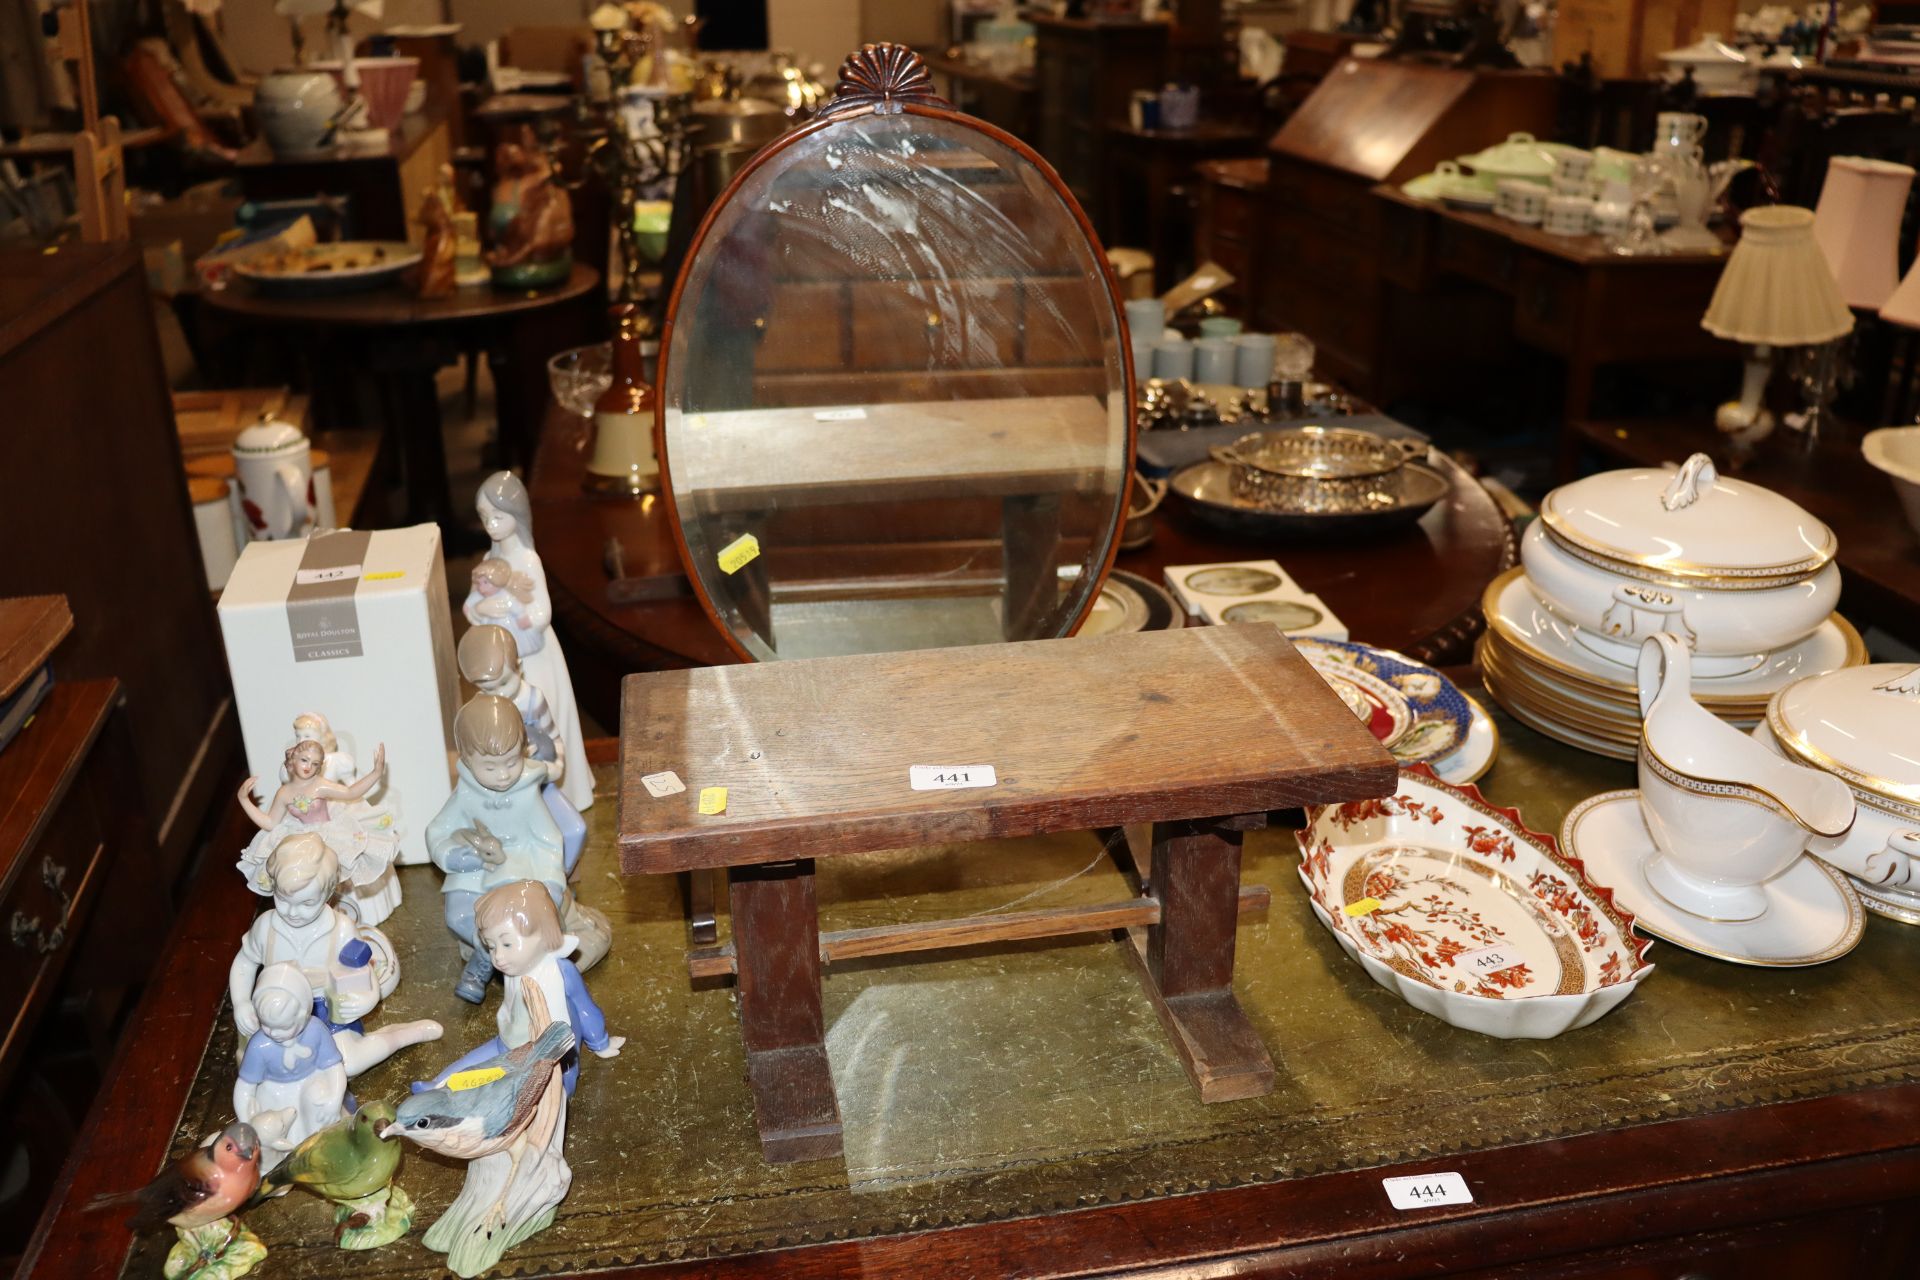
(882, 78)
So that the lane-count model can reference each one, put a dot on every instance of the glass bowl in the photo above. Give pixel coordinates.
(579, 377)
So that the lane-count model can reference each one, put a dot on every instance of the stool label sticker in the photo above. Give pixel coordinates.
(950, 777)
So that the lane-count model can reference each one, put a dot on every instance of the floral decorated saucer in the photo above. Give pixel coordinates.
(1416, 712)
(1464, 913)
(1469, 761)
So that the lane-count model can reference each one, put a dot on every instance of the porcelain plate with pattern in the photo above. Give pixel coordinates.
(1466, 914)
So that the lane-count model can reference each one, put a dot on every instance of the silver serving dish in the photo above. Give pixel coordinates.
(1315, 470)
(1205, 491)
(1143, 501)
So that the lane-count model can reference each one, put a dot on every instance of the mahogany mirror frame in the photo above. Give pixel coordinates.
(886, 80)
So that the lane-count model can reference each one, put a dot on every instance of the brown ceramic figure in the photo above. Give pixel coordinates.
(532, 219)
(439, 251)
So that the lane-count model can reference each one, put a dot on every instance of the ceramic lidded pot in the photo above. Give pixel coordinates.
(1520, 156)
(1862, 724)
(1716, 67)
(1734, 570)
(273, 481)
(296, 110)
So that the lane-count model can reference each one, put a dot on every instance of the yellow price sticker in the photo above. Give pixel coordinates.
(1363, 907)
(713, 800)
(739, 553)
(388, 576)
(460, 1081)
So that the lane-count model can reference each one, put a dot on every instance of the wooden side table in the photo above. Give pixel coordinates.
(1153, 170)
(1200, 732)
(1570, 296)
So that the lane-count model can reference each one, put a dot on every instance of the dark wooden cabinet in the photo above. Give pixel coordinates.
(97, 510)
(1325, 235)
(1084, 73)
(1228, 228)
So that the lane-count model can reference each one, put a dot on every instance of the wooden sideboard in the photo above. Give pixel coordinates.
(1370, 122)
(1228, 228)
(1084, 72)
(82, 911)
(97, 510)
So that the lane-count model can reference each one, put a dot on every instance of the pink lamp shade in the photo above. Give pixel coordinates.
(1857, 225)
(1903, 308)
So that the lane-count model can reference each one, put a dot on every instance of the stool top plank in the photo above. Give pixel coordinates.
(814, 754)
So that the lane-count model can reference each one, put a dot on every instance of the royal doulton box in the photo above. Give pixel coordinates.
(356, 626)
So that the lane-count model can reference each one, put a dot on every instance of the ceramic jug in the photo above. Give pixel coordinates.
(1725, 813)
(1678, 131)
(273, 481)
(297, 110)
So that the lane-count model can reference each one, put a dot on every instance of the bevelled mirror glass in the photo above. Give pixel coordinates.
(894, 408)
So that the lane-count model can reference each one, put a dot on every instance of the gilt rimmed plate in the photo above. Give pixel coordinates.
(1459, 909)
(1437, 717)
(1515, 613)
(1813, 913)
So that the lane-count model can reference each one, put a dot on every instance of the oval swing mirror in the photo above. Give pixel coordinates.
(894, 404)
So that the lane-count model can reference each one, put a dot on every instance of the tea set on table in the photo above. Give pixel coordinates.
(1567, 191)
(1686, 621)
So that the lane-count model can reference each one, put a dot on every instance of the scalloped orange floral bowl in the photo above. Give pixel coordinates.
(1466, 913)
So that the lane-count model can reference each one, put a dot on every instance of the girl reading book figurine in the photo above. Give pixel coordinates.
(350, 967)
(292, 1081)
(365, 845)
(507, 516)
(496, 828)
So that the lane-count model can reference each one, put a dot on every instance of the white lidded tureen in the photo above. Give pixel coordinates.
(1862, 724)
(1716, 67)
(1520, 156)
(1735, 570)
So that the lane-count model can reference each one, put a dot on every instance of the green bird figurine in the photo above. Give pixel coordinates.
(351, 1166)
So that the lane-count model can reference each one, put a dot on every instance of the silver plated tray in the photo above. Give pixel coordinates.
(1205, 490)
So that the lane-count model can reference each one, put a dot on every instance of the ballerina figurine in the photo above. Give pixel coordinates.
(292, 1080)
(507, 516)
(378, 814)
(491, 664)
(350, 966)
(365, 844)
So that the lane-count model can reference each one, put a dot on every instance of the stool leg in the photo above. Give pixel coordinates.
(776, 940)
(1187, 960)
(702, 927)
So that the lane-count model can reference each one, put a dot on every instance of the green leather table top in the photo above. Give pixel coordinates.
(1029, 1078)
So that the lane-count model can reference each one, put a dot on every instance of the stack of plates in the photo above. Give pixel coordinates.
(1535, 668)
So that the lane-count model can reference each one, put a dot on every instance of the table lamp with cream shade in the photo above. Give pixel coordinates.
(1777, 291)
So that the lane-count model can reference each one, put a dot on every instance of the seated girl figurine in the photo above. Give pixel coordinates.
(307, 801)
(496, 828)
(292, 1080)
(490, 664)
(520, 929)
(350, 967)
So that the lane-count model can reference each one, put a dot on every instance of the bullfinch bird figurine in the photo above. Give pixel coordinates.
(197, 1195)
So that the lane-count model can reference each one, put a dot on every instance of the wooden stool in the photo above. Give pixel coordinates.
(1201, 732)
